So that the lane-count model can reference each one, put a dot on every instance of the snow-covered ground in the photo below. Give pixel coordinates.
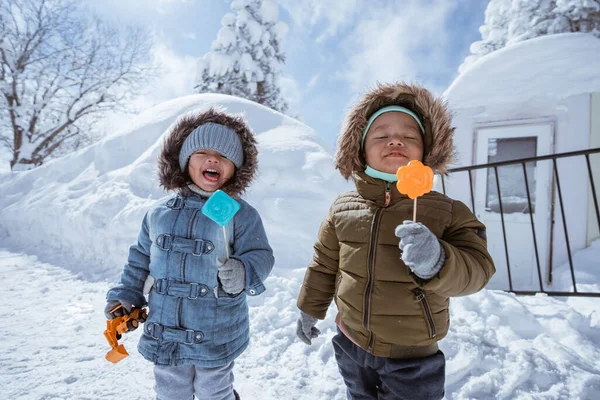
(65, 229)
(499, 346)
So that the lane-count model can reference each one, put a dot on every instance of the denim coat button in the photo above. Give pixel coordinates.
(252, 291)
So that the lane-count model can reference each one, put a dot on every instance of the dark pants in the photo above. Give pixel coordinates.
(370, 377)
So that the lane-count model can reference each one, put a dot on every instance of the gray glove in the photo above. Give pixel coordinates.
(421, 250)
(111, 305)
(305, 328)
(232, 275)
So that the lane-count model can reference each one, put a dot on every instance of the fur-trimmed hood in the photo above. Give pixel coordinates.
(171, 177)
(439, 149)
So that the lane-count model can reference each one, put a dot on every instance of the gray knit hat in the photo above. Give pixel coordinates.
(216, 137)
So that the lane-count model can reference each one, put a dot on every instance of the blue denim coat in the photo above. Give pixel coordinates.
(191, 319)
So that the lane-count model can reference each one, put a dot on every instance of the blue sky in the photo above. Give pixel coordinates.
(335, 49)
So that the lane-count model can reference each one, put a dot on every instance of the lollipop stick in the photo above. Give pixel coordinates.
(415, 210)
(226, 244)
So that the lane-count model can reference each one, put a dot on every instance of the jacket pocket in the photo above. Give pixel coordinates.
(231, 319)
(422, 299)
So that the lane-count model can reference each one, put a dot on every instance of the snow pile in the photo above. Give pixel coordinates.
(88, 206)
(586, 269)
(532, 70)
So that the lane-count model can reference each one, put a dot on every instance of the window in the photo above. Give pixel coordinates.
(510, 177)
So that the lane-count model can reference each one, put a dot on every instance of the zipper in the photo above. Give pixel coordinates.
(370, 272)
(388, 194)
(371, 265)
(420, 296)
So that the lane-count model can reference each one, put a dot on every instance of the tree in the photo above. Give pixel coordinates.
(246, 57)
(59, 71)
(583, 15)
(512, 21)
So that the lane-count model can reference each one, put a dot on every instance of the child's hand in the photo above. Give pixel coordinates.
(112, 304)
(421, 250)
(305, 329)
(232, 275)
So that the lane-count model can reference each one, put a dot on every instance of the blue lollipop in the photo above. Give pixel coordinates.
(221, 208)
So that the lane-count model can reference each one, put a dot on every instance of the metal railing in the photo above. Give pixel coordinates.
(523, 162)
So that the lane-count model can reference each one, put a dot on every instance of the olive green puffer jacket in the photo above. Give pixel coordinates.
(382, 305)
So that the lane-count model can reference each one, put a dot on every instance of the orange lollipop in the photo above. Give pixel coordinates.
(414, 180)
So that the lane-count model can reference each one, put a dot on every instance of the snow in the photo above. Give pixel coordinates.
(226, 37)
(269, 11)
(586, 271)
(547, 67)
(91, 202)
(65, 229)
(508, 22)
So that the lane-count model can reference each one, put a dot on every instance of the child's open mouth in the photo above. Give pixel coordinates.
(212, 175)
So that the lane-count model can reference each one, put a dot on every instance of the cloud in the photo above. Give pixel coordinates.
(291, 92)
(189, 35)
(313, 82)
(334, 15)
(404, 41)
(176, 78)
(379, 40)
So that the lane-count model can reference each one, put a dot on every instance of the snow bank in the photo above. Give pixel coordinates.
(553, 66)
(86, 208)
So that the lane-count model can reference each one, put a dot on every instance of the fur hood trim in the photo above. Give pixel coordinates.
(169, 173)
(439, 149)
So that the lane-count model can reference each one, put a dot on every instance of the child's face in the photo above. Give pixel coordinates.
(210, 170)
(393, 140)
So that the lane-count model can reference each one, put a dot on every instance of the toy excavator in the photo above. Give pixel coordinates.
(122, 323)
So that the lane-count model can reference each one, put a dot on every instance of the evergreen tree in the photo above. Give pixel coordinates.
(583, 15)
(246, 56)
(511, 21)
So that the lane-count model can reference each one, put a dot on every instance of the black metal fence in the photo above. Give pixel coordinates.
(556, 183)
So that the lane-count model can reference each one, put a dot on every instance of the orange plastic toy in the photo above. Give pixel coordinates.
(118, 326)
(414, 180)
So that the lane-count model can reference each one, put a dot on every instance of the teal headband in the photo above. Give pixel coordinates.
(375, 173)
(389, 109)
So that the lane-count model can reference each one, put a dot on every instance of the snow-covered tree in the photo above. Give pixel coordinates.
(246, 58)
(583, 15)
(511, 21)
(59, 71)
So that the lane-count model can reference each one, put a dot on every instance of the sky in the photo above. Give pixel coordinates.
(66, 227)
(335, 49)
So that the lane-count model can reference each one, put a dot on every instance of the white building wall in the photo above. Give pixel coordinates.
(572, 121)
(572, 133)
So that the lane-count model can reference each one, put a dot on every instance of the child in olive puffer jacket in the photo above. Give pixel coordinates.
(390, 278)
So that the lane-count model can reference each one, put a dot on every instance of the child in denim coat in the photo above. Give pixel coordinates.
(198, 321)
